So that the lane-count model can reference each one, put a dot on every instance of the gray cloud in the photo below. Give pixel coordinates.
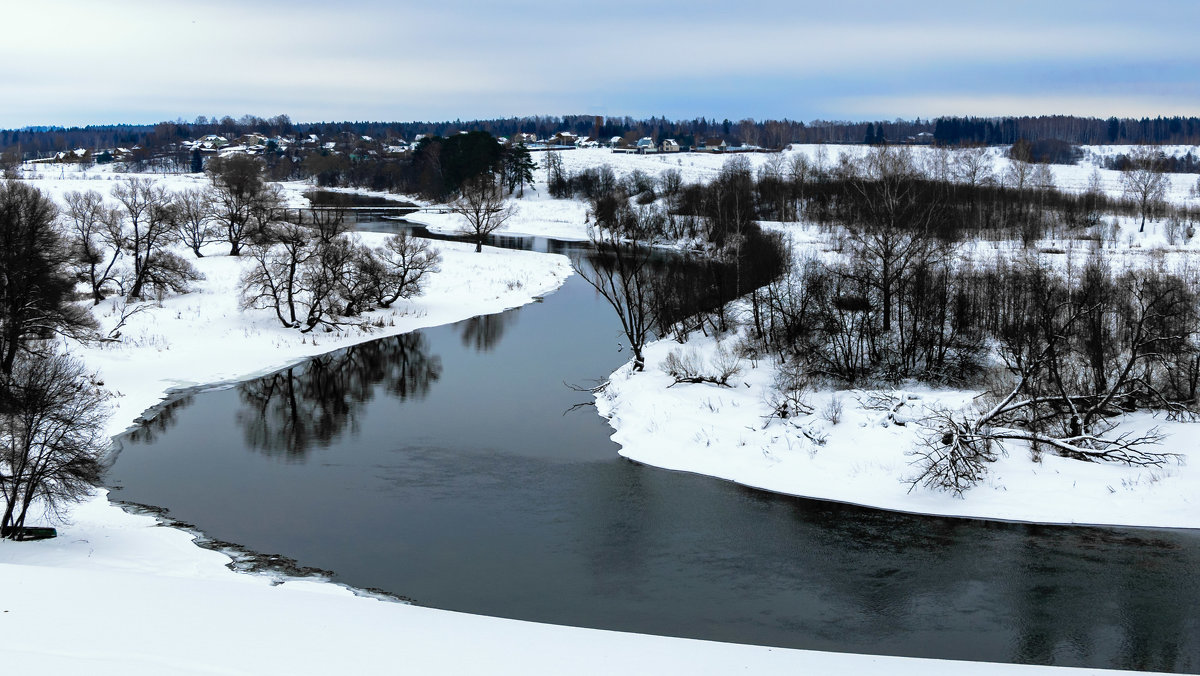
(139, 61)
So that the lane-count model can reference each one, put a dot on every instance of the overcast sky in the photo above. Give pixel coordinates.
(74, 62)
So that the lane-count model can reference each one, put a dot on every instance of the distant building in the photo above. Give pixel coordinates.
(646, 145)
(670, 146)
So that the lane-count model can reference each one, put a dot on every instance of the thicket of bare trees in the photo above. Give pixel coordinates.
(314, 273)
(148, 229)
(1077, 346)
(1064, 348)
(1077, 351)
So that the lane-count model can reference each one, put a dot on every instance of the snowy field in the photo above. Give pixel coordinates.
(539, 214)
(117, 593)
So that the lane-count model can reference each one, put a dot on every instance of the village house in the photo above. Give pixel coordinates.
(646, 145)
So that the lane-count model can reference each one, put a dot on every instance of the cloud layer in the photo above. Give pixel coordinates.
(85, 62)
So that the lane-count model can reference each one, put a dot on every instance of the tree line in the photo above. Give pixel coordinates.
(1175, 130)
(32, 142)
(1062, 347)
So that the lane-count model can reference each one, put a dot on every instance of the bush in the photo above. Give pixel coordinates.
(833, 410)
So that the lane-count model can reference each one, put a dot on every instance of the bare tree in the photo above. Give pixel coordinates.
(194, 222)
(556, 175)
(399, 269)
(238, 190)
(973, 166)
(1018, 174)
(1144, 181)
(482, 206)
(619, 272)
(268, 207)
(51, 437)
(314, 274)
(90, 226)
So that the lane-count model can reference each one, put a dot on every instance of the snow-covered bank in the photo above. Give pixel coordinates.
(863, 458)
(203, 337)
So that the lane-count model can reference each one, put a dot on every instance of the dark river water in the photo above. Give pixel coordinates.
(442, 466)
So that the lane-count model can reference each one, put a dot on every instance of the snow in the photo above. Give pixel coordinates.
(865, 459)
(118, 593)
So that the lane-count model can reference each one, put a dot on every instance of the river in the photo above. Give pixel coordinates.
(444, 466)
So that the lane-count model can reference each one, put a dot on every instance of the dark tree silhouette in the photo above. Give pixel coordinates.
(35, 281)
(51, 437)
(620, 273)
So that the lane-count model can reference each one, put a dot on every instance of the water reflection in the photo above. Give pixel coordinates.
(483, 332)
(164, 417)
(288, 412)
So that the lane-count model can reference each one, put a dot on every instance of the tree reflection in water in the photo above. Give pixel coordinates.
(164, 418)
(288, 412)
(483, 332)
